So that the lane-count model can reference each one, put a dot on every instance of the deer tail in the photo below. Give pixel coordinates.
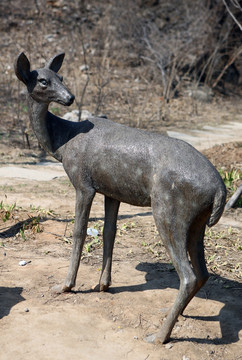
(218, 206)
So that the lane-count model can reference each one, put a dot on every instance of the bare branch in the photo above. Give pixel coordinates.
(230, 62)
(236, 4)
(231, 14)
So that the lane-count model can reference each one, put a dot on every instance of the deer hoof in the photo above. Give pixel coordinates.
(100, 287)
(155, 339)
(103, 287)
(59, 289)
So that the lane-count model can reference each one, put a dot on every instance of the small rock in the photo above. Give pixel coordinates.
(74, 115)
(26, 310)
(202, 94)
(168, 346)
(86, 115)
(185, 358)
(22, 263)
(84, 67)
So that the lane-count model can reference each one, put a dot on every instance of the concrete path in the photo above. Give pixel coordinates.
(211, 135)
(41, 172)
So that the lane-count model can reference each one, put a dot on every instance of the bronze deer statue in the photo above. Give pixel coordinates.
(128, 165)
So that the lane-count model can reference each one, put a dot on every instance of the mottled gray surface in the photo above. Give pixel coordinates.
(132, 166)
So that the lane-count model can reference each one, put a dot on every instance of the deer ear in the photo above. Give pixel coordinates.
(22, 68)
(55, 62)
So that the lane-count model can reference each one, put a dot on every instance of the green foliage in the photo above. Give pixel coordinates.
(42, 210)
(21, 231)
(25, 108)
(35, 225)
(230, 178)
(32, 224)
(6, 210)
(89, 246)
(127, 226)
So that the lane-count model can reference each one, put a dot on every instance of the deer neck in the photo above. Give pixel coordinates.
(41, 119)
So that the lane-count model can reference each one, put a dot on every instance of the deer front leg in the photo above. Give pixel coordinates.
(82, 211)
(109, 232)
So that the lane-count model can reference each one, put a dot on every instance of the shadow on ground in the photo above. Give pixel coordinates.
(14, 229)
(9, 297)
(162, 276)
(228, 292)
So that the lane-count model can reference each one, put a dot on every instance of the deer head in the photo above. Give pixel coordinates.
(44, 85)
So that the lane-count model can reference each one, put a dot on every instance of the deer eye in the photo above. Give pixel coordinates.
(43, 82)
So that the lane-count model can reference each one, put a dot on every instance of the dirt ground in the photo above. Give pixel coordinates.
(38, 324)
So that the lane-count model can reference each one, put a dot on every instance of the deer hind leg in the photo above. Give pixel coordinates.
(173, 232)
(82, 211)
(109, 232)
(196, 252)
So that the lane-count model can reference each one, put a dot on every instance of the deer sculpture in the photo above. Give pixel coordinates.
(133, 166)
